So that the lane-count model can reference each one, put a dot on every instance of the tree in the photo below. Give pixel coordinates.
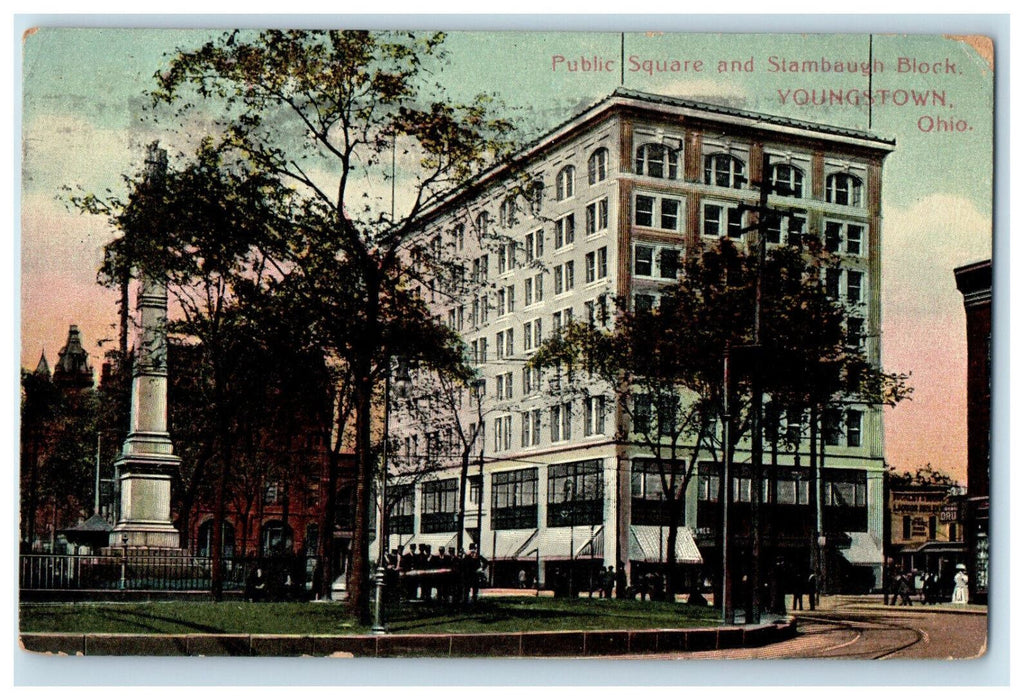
(665, 365)
(320, 112)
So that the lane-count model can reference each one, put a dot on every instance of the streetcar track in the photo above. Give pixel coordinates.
(865, 628)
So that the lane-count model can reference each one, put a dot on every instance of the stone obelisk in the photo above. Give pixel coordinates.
(147, 463)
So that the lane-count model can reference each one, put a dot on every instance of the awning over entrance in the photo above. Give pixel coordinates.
(554, 543)
(863, 550)
(936, 548)
(509, 544)
(648, 542)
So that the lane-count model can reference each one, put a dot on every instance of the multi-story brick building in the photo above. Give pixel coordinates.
(602, 208)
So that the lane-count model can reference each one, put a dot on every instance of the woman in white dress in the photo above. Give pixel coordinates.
(960, 593)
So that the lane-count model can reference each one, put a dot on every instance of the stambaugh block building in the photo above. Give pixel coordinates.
(623, 190)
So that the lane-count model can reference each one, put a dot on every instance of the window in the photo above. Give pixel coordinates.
(597, 216)
(597, 166)
(527, 381)
(535, 420)
(643, 303)
(787, 180)
(907, 527)
(654, 261)
(844, 487)
(854, 287)
(854, 332)
(792, 489)
(401, 513)
(708, 488)
(724, 170)
(562, 422)
(513, 499)
(657, 212)
(854, 428)
(276, 537)
(722, 220)
(527, 336)
(932, 527)
(502, 433)
(852, 235)
(575, 493)
(459, 235)
(781, 229)
(831, 427)
(845, 188)
(507, 212)
(596, 265)
(506, 257)
(565, 231)
(535, 195)
(741, 489)
(656, 160)
(481, 225)
(564, 183)
(534, 244)
(832, 282)
(649, 498)
(538, 333)
(439, 505)
(594, 415)
(564, 277)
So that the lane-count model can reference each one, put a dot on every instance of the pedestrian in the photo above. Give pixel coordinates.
(904, 587)
(896, 581)
(919, 581)
(931, 588)
(960, 592)
(797, 591)
(813, 584)
(257, 586)
(608, 580)
(522, 578)
(620, 580)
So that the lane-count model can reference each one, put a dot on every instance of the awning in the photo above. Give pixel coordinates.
(555, 543)
(648, 543)
(508, 544)
(435, 540)
(863, 549)
(399, 541)
(935, 548)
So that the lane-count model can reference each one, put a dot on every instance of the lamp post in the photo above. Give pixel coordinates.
(568, 493)
(379, 580)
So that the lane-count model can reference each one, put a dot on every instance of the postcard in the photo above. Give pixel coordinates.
(505, 344)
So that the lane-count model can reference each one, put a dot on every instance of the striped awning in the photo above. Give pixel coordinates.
(648, 542)
(508, 544)
(585, 541)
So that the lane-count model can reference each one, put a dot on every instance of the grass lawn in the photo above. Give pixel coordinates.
(487, 615)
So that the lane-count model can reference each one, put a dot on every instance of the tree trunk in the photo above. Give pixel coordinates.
(327, 526)
(358, 576)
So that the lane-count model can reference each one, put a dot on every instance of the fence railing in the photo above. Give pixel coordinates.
(131, 571)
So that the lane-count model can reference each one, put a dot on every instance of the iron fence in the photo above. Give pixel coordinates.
(129, 571)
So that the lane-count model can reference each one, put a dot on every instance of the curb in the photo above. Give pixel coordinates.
(514, 644)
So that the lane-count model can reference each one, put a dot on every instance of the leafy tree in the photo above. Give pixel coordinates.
(926, 475)
(664, 366)
(320, 114)
(58, 439)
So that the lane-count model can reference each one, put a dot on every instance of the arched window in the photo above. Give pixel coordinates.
(845, 188)
(724, 170)
(481, 224)
(598, 166)
(507, 212)
(656, 160)
(276, 538)
(788, 181)
(564, 183)
(205, 535)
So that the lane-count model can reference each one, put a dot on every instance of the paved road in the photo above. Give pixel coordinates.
(855, 627)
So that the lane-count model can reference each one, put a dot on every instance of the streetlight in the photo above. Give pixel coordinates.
(569, 491)
(403, 380)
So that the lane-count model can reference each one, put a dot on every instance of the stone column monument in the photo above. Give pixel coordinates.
(147, 463)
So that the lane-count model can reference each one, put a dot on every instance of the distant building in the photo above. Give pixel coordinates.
(926, 528)
(73, 370)
(974, 281)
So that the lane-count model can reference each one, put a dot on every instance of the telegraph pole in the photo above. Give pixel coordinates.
(765, 216)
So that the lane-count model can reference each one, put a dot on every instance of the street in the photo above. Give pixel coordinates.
(860, 627)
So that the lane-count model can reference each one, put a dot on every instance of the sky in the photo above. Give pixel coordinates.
(85, 125)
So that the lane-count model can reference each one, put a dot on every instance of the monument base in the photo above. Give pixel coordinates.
(135, 535)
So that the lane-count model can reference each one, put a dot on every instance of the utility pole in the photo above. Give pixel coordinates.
(766, 216)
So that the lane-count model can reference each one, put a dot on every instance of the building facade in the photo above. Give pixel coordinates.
(604, 208)
(927, 529)
(974, 281)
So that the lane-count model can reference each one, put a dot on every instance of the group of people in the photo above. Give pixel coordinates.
(447, 575)
(929, 587)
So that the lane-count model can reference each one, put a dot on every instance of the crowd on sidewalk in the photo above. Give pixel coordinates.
(448, 575)
(928, 587)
